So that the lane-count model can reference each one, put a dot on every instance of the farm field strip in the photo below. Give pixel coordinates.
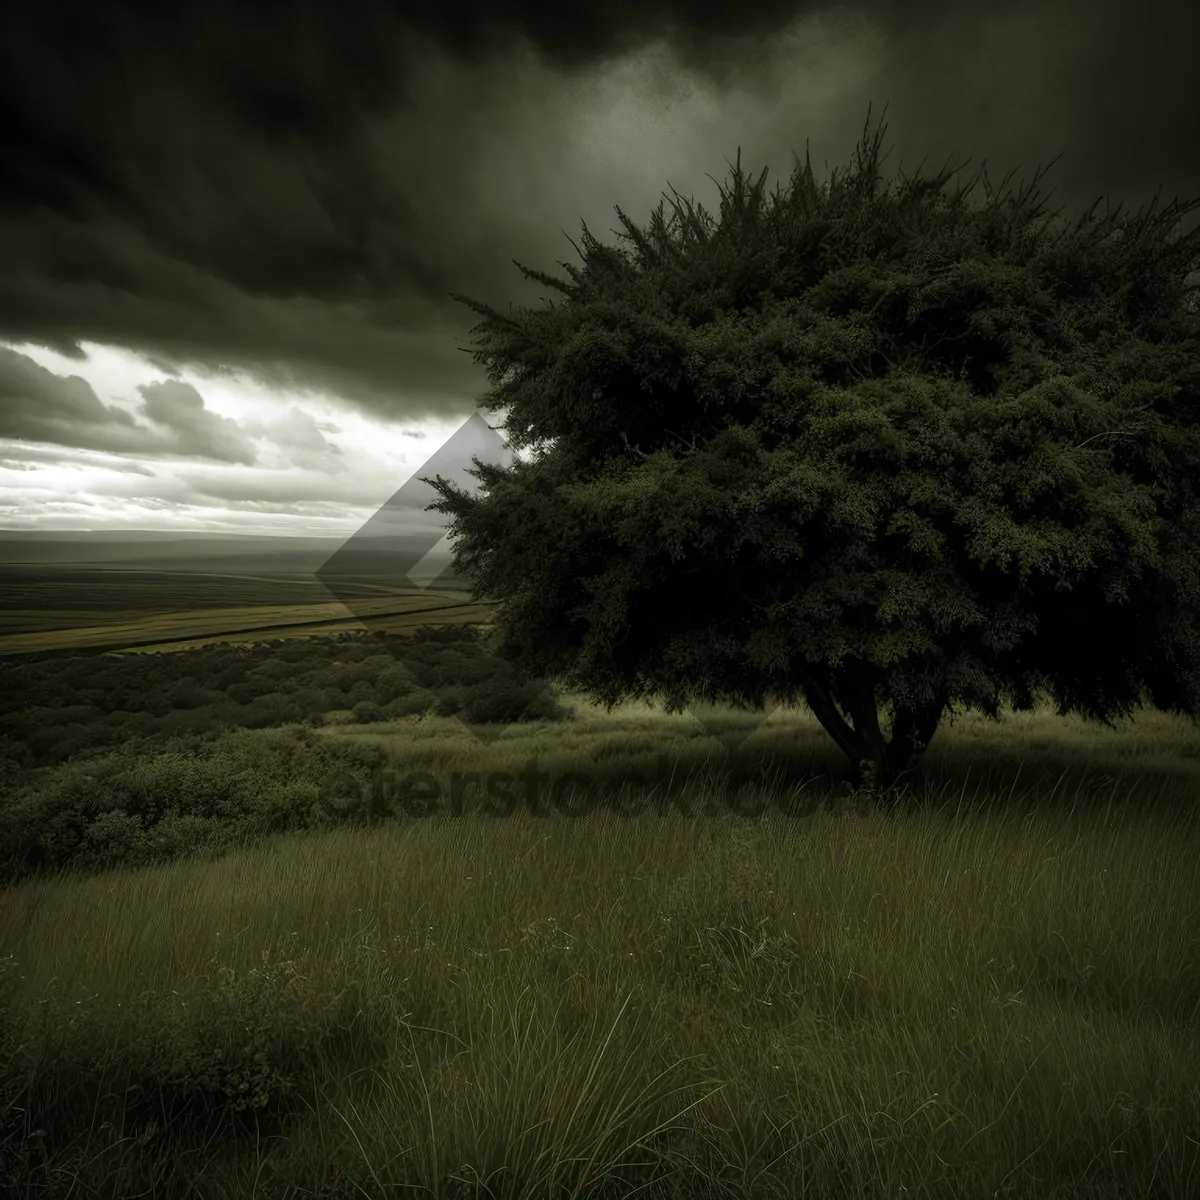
(255, 619)
(404, 623)
(31, 601)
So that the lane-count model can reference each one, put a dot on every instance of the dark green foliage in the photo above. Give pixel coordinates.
(139, 805)
(506, 702)
(55, 707)
(872, 447)
(154, 766)
(366, 711)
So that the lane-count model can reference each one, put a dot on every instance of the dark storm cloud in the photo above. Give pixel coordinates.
(293, 189)
(178, 409)
(37, 405)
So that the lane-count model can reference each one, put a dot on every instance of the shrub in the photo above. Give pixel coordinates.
(243, 692)
(127, 807)
(409, 705)
(448, 705)
(367, 711)
(509, 701)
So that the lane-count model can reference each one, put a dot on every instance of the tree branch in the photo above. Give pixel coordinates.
(820, 701)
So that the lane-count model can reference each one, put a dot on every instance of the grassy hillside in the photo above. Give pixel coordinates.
(377, 914)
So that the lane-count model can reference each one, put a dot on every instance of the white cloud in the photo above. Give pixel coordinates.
(138, 448)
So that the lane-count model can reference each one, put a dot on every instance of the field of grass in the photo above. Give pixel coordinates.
(73, 607)
(680, 968)
(64, 593)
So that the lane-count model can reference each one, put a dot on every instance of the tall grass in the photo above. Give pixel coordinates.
(992, 992)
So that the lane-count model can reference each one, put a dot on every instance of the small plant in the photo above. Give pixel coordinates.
(367, 712)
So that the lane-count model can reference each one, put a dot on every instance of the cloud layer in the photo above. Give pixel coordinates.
(38, 405)
(288, 193)
(294, 190)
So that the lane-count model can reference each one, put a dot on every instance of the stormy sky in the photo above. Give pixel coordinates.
(228, 230)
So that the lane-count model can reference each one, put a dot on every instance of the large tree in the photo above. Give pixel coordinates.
(885, 449)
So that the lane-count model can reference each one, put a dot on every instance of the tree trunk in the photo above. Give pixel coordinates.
(847, 707)
(912, 731)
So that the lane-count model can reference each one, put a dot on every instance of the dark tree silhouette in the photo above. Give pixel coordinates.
(886, 449)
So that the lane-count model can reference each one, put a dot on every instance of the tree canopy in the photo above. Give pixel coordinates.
(880, 448)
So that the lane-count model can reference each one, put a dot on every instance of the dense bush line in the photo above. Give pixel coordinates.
(55, 707)
(108, 760)
(134, 806)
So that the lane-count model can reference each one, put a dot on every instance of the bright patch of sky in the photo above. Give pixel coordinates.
(319, 467)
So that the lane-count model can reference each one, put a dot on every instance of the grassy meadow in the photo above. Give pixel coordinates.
(58, 607)
(294, 920)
